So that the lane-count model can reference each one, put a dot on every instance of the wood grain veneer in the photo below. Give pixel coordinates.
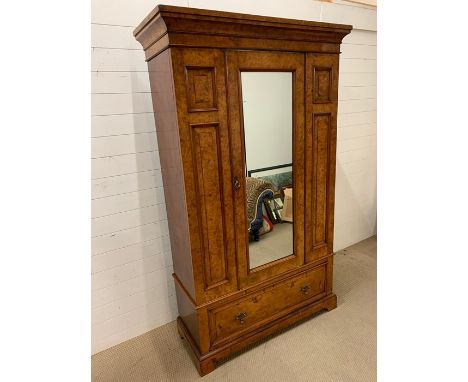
(195, 58)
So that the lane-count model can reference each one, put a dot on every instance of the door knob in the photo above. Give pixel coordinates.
(236, 183)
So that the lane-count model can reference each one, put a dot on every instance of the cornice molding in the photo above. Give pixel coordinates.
(169, 26)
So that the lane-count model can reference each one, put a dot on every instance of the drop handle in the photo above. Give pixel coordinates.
(241, 317)
(236, 183)
(305, 289)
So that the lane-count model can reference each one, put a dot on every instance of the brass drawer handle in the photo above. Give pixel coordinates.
(241, 317)
(305, 289)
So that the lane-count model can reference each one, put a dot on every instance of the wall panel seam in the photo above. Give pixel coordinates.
(127, 173)
(129, 192)
(130, 245)
(132, 209)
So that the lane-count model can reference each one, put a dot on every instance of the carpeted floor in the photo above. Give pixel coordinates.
(334, 346)
(272, 246)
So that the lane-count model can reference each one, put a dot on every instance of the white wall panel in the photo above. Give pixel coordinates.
(120, 82)
(293, 9)
(350, 119)
(124, 272)
(124, 164)
(108, 205)
(143, 319)
(122, 184)
(129, 219)
(132, 286)
(357, 105)
(356, 143)
(358, 65)
(357, 79)
(120, 239)
(360, 37)
(140, 313)
(368, 154)
(134, 252)
(357, 92)
(113, 36)
(146, 281)
(355, 131)
(358, 17)
(123, 144)
(105, 104)
(118, 60)
(129, 303)
(126, 12)
(118, 124)
(358, 51)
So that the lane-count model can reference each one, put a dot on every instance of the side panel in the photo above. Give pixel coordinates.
(321, 116)
(164, 105)
(199, 78)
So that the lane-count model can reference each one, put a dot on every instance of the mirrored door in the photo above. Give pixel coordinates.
(268, 125)
(266, 101)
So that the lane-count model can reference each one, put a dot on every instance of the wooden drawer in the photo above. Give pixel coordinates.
(270, 303)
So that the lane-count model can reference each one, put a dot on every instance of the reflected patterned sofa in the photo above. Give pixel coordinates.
(279, 180)
(257, 191)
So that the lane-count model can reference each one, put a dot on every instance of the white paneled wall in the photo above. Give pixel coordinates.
(132, 287)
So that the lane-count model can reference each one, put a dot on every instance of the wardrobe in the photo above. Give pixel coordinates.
(241, 99)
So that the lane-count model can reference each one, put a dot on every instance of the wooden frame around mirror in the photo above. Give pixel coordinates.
(237, 62)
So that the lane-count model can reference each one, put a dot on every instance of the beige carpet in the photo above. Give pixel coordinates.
(334, 346)
(272, 246)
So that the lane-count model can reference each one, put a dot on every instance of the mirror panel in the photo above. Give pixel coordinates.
(268, 133)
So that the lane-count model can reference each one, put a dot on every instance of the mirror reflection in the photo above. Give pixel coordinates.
(267, 113)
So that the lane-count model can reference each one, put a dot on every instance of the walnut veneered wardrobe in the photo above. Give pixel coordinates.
(213, 74)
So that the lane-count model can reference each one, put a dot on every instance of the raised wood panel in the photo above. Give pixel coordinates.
(207, 166)
(323, 80)
(201, 89)
(321, 112)
(321, 142)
